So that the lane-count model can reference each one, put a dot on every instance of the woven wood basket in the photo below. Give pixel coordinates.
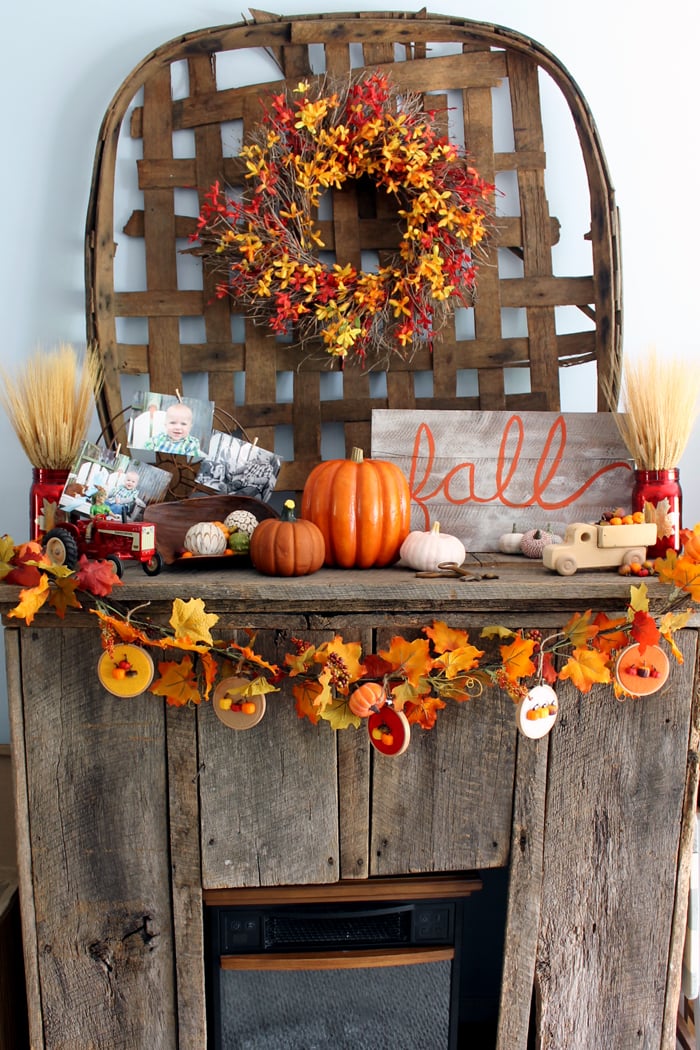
(174, 92)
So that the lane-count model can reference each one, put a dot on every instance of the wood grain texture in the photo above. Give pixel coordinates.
(610, 864)
(268, 797)
(99, 853)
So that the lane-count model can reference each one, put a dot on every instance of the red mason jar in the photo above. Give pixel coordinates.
(662, 489)
(46, 490)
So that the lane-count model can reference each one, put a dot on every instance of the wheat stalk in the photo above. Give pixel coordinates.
(49, 403)
(658, 407)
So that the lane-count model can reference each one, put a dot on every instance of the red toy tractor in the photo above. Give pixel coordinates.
(105, 538)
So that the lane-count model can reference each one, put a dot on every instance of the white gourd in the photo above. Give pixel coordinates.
(424, 551)
(509, 542)
(205, 538)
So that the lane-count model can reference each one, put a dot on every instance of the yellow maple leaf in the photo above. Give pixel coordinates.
(516, 658)
(665, 567)
(348, 653)
(580, 628)
(445, 638)
(300, 663)
(456, 662)
(7, 551)
(325, 695)
(405, 693)
(338, 713)
(687, 577)
(639, 600)
(411, 659)
(669, 624)
(584, 667)
(177, 683)
(189, 620)
(31, 600)
(496, 630)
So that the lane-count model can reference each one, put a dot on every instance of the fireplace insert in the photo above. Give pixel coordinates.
(368, 965)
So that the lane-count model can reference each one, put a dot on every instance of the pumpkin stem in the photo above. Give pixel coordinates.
(537, 535)
(288, 511)
(436, 527)
(357, 455)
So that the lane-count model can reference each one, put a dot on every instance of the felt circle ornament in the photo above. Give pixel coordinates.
(642, 673)
(236, 710)
(263, 248)
(389, 731)
(126, 671)
(538, 711)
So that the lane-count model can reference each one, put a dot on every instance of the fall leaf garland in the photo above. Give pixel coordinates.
(420, 676)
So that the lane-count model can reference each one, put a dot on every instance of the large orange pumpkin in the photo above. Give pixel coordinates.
(285, 546)
(362, 507)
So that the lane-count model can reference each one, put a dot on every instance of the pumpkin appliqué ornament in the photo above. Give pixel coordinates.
(125, 670)
(236, 708)
(537, 712)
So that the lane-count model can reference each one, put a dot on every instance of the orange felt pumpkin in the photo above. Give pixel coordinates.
(362, 507)
(286, 546)
(368, 697)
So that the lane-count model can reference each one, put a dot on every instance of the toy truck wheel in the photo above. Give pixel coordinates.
(153, 566)
(636, 554)
(116, 564)
(567, 566)
(61, 548)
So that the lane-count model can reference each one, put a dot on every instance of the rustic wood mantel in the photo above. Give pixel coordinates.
(129, 811)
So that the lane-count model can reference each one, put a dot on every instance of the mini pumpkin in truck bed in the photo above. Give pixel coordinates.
(601, 546)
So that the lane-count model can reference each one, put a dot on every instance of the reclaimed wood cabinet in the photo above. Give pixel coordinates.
(129, 812)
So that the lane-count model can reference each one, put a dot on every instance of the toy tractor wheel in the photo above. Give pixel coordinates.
(60, 548)
(116, 564)
(153, 566)
(567, 566)
(635, 554)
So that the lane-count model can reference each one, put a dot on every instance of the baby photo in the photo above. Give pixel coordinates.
(174, 425)
(102, 482)
(239, 468)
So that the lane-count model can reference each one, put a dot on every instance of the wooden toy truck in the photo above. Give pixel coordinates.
(599, 546)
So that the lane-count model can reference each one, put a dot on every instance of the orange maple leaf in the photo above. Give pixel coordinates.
(252, 657)
(210, 670)
(644, 630)
(411, 659)
(609, 635)
(121, 629)
(348, 653)
(686, 577)
(548, 670)
(305, 693)
(423, 713)
(457, 661)
(31, 600)
(445, 638)
(584, 667)
(580, 629)
(177, 682)
(63, 595)
(516, 658)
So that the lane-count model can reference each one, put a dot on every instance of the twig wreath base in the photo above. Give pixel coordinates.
(266, 250)
(419, 677)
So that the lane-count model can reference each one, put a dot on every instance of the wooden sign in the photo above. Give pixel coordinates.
(481, 473)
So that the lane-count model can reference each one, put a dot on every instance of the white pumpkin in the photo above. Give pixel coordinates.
(205, 538)
(424, 551)
(509, 542)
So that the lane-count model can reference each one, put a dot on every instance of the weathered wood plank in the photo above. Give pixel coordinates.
(269, 797)
(610, 864)
(477, 473)
(524, 894)
(99, 850)
(446, 803)
(188, 933)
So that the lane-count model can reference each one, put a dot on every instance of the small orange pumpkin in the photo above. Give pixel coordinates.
(362, 507)
(286, 546)
(368, 697)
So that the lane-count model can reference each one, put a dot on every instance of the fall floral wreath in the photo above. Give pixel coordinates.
(419, 677)
(264, 247)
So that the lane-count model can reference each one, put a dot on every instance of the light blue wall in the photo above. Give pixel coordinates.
(62, 63)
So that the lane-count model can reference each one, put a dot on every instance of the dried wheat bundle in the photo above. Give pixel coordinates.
(49, 403)
(659, 405)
